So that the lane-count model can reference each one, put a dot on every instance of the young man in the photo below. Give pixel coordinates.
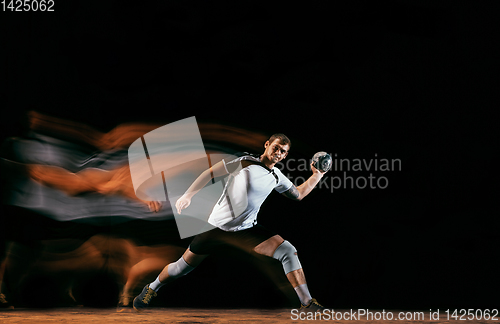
(256, 177)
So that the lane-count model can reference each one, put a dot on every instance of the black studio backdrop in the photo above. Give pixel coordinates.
(413, 81)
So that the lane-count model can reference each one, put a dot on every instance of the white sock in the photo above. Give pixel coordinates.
(303, 293)
(156, 285)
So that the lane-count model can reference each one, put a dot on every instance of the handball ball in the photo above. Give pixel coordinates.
(322, 161)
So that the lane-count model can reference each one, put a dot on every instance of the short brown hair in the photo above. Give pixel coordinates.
(282, 137)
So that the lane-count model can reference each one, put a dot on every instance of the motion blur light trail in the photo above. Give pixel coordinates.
(57, 174)
(94, 226)
(79, 271)
(124, 134)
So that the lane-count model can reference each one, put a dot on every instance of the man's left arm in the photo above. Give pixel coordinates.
(298, 193)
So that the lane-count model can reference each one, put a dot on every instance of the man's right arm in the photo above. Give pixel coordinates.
(217, 170)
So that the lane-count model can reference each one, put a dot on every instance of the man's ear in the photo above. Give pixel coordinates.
(266, 144)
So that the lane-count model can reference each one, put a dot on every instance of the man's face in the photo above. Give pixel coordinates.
(276, 151)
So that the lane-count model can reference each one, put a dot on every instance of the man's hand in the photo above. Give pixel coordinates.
(182, 203)
(316, 171)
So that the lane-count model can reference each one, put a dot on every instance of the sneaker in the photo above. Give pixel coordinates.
(142, 301)
(313, 306)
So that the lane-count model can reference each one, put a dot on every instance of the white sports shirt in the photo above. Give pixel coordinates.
(245, 191)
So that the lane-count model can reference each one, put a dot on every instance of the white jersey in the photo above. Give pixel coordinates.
(245, 191)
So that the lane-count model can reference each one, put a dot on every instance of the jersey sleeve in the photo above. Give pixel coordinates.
(283, 182)
(232, 165)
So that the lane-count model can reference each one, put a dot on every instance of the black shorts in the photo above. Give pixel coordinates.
(207, 242)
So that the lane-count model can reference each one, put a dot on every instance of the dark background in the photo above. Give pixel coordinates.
(414, 80)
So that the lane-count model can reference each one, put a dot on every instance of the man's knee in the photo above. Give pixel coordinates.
(179, 268)
(269, 246)
(193, 259)
(287, 255)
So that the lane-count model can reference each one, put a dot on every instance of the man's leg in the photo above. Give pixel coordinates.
(174, 270)
(276, 247)
(186, 263)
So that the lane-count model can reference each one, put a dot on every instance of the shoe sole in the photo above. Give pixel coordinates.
(138, 310)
